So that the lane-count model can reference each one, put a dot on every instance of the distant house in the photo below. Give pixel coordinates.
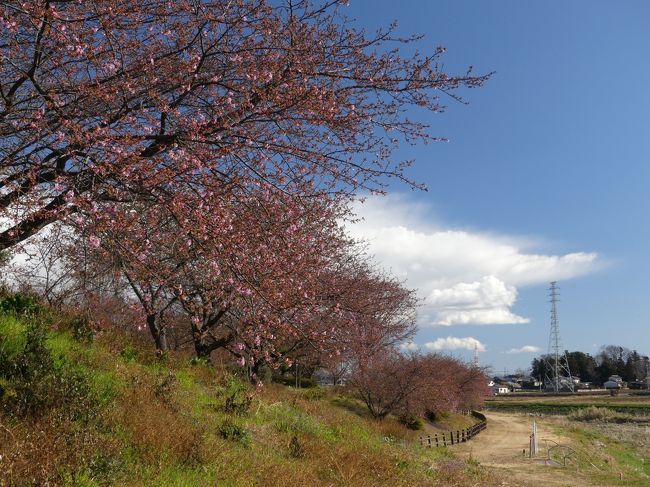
(500, 389)
(615, 382)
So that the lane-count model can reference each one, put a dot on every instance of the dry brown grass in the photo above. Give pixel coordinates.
(39, 451)
(155, 426)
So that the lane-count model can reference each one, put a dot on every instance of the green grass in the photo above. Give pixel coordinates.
(12, 339)
(288, 419)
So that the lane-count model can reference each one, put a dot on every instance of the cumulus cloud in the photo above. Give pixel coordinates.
(463, 277)
(455, 343)
(481, 302)
(525, 349)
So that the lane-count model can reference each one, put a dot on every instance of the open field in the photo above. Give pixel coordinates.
(636, 403)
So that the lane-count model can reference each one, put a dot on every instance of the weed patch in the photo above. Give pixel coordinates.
(234, 431)
(236, 397)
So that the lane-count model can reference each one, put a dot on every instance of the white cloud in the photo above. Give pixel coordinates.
(481, 302)
(410, 346)
(455, 343)
(464, 277)
(525, 349)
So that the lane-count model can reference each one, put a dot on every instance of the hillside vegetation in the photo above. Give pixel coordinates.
(89, 409)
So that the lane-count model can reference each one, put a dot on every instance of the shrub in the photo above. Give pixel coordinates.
(290, 380)
(295, 448)
(411, 421)
(431, 416)
(33, 359)
(81, 330)
(237, 398)
(104, 466)
(314, 393)
(129, 353)
(19, 304)
(34, 384)
(164, 387)
(12, 340)
(199, 361)
(231, 430)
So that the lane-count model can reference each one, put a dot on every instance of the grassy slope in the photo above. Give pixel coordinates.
(131, 420)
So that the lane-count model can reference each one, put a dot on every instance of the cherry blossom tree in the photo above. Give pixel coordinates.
(389, 382)
(246, 274)
(143, 100)
(374, 310)
(347, 310)
(419, 384)
(258, 281)
(473, 388)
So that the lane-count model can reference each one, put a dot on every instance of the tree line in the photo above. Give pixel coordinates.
(630, 365)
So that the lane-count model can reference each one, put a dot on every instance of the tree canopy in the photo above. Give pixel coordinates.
(112, 101)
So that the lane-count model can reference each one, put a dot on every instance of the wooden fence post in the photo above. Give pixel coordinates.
(461, 436)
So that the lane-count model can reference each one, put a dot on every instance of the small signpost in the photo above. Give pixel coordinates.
(534, 444)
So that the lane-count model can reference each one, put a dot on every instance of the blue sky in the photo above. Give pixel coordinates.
(547, 170)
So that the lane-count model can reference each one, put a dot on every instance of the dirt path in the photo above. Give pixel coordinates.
(502, 443)
(505, 438)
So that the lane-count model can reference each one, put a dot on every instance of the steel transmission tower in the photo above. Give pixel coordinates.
(558, 375)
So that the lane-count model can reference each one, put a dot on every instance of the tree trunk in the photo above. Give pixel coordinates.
(205, 344)
(203, 350)
(256, 368)
(158, 334)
